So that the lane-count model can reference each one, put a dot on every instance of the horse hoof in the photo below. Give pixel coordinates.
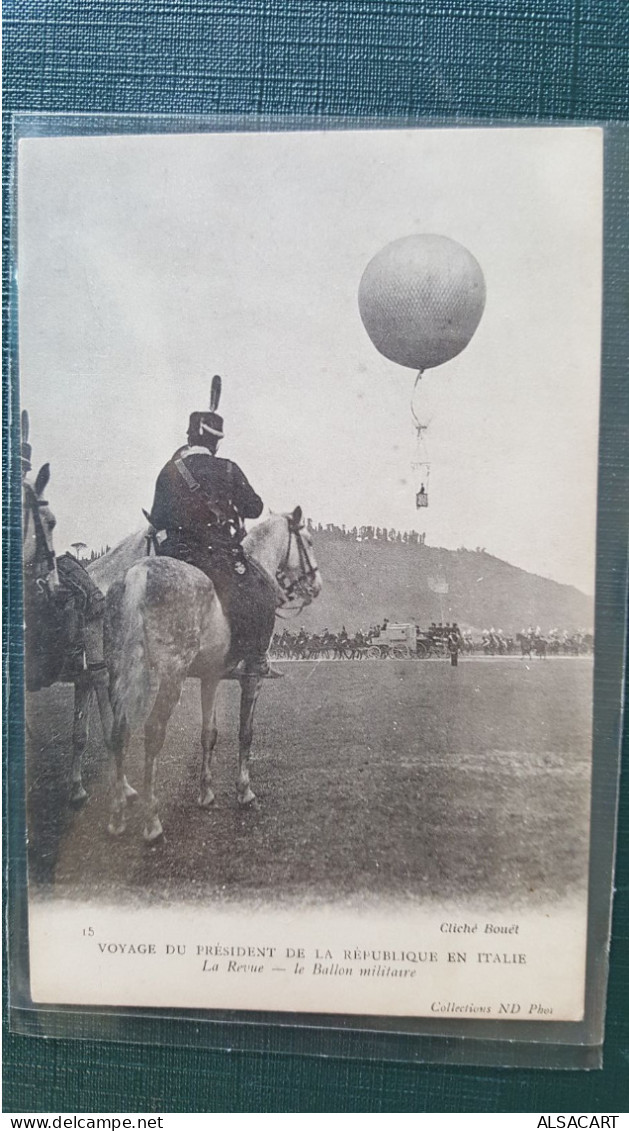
(155, 833)
(116, 828)
(207, 799)
(130, 793)
(246, 798)
(78, 797)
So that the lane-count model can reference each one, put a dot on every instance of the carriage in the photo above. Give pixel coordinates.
(429, 644)
(396, 642)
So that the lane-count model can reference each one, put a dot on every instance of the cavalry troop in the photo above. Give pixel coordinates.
(387, 641)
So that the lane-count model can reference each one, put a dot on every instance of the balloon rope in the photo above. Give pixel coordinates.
(416, 420)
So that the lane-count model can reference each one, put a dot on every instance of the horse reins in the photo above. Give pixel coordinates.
(301, 587)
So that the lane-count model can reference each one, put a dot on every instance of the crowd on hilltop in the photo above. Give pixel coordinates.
(365, 533)
(380, 534)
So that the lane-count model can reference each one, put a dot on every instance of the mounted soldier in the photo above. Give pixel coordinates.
(198, 513)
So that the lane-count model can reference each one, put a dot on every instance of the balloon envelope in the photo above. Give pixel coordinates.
(421, 299)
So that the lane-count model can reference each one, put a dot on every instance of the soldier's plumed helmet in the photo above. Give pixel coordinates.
(204, 427)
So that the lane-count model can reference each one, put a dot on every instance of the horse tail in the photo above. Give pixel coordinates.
(131, 678)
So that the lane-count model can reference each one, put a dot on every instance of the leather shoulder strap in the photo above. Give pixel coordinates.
(187, 475)
(194, 486)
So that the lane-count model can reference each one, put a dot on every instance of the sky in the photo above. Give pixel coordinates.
(148, 263)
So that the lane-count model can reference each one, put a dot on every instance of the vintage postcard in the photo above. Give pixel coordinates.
(309, 455)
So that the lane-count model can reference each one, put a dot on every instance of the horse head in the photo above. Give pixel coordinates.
(283, 546)
(298, 573)
(38, 522)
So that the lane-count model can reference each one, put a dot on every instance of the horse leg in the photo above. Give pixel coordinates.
(118, 819)
(97, 669)
(154, 735)
(209, 734)
(80, 734)
(249, 690)
(100, 682)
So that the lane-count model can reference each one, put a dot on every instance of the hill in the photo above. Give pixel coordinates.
(371, 578)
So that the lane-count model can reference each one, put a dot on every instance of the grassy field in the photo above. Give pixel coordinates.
(381, 779)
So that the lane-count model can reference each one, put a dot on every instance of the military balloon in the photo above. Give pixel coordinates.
(421, 299)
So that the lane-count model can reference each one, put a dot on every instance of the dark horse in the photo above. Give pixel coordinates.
(53, 636)
(530, 643)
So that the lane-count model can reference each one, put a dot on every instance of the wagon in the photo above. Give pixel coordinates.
(431, 645)
(396, 641)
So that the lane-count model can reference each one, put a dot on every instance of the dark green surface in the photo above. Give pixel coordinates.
(540, 60)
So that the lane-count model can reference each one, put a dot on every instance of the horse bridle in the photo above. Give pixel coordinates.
(43, 552)
(300, 588)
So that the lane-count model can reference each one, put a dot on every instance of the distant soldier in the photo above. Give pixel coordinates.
(453, 644)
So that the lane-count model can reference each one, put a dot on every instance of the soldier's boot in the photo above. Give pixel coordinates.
(259, 665)
(252, 622)
(256, 655)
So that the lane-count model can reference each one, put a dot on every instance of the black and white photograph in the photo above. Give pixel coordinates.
(309, 480)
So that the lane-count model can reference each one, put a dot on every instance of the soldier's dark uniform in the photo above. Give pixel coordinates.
(200, 503)
(453, 644)
(179, 507)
